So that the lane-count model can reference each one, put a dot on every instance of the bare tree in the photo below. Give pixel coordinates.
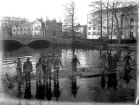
(121, 12)
(70, 9)
(97, 9)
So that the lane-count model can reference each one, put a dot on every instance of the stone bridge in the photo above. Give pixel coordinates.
(26, 40)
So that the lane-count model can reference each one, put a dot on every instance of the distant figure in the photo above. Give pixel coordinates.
(127, 76)
(104, 59)
(39, 72)
(127, 58)
(19, 71)
(57, 64)
(27, 69)
(115, 60)
(74, 63)
(110, 60)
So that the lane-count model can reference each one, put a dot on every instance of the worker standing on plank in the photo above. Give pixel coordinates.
(19, 69)
(27, 69)
(74, 63)
(39, 72)
(57, 64)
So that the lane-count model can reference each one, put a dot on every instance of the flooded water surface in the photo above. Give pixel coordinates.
(68, 88)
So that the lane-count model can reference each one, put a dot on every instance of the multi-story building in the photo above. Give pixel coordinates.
(129, 24)
(8, 22)
(80, 31)
(54, 27)
(38, 27)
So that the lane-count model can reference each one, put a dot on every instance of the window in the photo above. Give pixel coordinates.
(131, 26)
(94, 28)
(14, 30)
(98, 33)
(90, 22)
(131, 34)
(94, 33)
(132, 20)
(89, 33)
(104, 27)
(89, 28)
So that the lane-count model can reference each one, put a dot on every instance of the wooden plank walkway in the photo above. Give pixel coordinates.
(97, 74)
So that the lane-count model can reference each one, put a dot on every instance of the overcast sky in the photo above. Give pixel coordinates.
(32, 9)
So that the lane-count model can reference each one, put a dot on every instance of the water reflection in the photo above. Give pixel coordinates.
(27, 93)
(56, 89)
(50, 78)
(74, 87)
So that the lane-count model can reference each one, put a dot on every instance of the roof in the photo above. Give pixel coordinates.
(30, 24)
(120, 9)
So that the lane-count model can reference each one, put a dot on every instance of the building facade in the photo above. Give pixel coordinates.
(80, 31)
(38, 28)
(8, 22)
(129, 24)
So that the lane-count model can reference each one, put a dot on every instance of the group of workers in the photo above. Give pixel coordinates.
(43, 68)
(110, 61)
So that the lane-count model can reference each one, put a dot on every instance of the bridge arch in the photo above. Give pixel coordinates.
(9, 45)
(39, 43)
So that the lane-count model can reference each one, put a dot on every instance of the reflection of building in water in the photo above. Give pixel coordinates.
(66, 56)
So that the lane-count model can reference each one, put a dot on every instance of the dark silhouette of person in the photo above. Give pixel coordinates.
(115, 60)
(112, 81)
(127, 76)
(104, 59)
(74, 63)
(110, 59)
(127, 58)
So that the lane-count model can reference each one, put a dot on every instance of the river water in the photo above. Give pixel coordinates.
(87, 90)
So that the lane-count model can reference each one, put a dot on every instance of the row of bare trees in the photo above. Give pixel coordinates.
(115, 12)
